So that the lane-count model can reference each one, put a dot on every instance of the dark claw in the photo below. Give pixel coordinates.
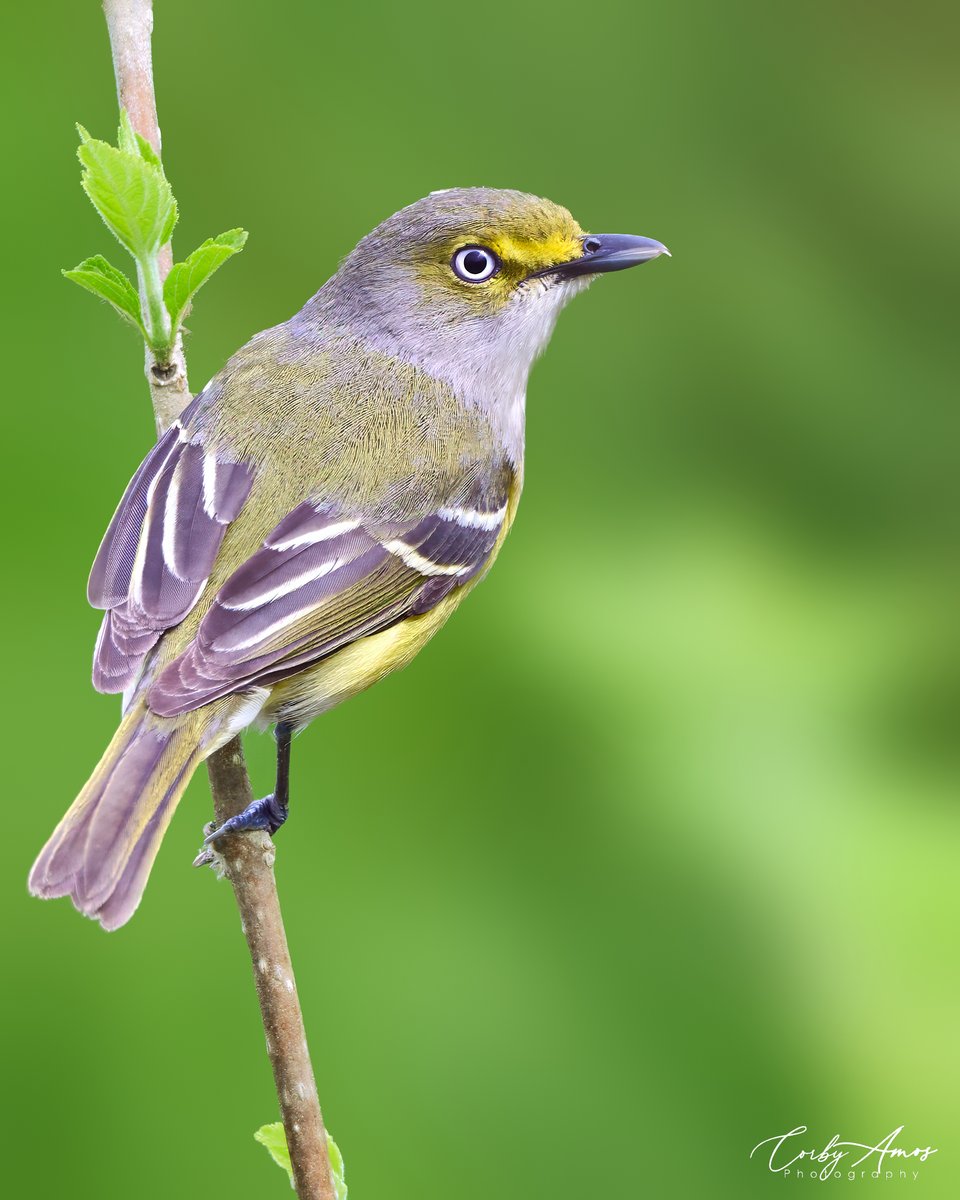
(268, 813)
(260, 814)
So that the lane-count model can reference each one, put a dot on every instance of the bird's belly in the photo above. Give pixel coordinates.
(353, 669)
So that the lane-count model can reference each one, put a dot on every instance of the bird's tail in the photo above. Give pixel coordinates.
(101, 853)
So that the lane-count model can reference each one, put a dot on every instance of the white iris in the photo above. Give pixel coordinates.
(475, 264)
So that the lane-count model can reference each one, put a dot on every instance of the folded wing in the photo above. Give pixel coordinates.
(158, 552)
(320, 580)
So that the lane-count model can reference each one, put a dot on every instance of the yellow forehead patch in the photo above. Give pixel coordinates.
(533, 254)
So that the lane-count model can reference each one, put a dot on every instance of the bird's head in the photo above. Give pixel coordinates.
(468, 283)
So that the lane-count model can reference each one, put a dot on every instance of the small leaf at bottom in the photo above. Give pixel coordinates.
(275, 1141)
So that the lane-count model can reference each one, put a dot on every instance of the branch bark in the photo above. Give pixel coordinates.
(247, 859)
(130, 25)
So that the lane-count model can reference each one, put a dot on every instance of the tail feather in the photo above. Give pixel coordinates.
(54, 872)
(122, 901)
(102, 851)
(122, 811)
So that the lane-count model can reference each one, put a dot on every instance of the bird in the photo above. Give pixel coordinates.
(317, 512)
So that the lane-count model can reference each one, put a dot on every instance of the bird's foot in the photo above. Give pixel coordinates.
(267, 814)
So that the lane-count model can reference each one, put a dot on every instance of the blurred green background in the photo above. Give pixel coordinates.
(702, 889)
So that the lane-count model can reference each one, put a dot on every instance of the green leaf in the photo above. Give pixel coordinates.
(131, 142)
(187, 277)
(104, 280)
(126, 138)
(129, 192)
(336, 1168)
(147, 152)
(275, 1140)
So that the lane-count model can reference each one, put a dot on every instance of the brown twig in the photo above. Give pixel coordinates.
(247, 859)
(130, 24)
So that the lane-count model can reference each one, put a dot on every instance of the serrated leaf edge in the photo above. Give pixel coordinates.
(96, 267)
(232, 241)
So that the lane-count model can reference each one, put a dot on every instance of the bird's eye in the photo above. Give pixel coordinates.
(475, 264)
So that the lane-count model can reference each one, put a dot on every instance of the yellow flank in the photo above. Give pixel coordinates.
(354, 668)
(362, 663)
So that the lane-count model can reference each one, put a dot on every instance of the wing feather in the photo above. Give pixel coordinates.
(319, 581)
(110, 575)
(159, 549)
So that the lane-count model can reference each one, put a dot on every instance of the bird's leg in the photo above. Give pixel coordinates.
(270, 812)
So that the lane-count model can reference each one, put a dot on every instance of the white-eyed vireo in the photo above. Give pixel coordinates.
(317, 512)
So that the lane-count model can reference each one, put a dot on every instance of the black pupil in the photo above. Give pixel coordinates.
(475, 262)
